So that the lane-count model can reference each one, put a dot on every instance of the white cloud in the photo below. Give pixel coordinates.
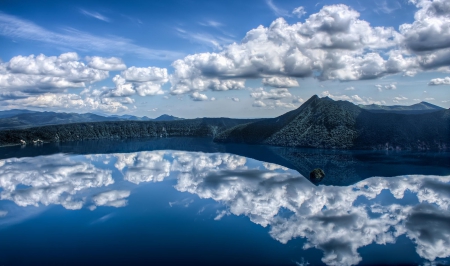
(332, 219)
(109, 64)
(259, 104)
(196, 96)
(143, 166)
(273, 94)
(136, 80)
(235, 99)
(354, 98)
(53, 179)
(221, 214)
(334, 42)
(399, 98)
(3, 213)
(113, 198)
(440, 81)
(391, 86)
(350, 88)
(122, 87)
(280, 82)
(299, 11)
(44, 73)
(431, 28)
(146, 74)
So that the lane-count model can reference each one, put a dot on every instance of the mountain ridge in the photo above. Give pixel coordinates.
(325, 123)
(318, 123)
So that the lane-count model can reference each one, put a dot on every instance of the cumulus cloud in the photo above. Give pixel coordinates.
(333, 42)
(327, 216)
(431, 28)
(332, 219)
(391, 86)
(399, 98)
(113, 198)
(50, 100)
(440, 81)
(273, 94)
(299, 11)
(273, 98)
(138, 80)
(47, 73)
(280, 82)
(350, 88)
(54, 179)
(143, 166)
(259, 104)
(145, 74)
(109, 64)
(196, 96)
(235, 99)
(354, 98)
(428, 35)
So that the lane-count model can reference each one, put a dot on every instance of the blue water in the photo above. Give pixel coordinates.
(193, 202)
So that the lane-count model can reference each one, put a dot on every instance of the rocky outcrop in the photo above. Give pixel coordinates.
(316, 175)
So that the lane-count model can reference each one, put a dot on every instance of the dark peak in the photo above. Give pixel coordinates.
(166, 117)
(432, 106)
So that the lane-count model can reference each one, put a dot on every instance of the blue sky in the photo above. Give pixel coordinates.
(258, 58)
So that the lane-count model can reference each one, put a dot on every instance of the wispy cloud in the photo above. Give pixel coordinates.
(211, 23)
(14, 27)
(278, 11)
(386, 8)
(216, 42)
(95, 15)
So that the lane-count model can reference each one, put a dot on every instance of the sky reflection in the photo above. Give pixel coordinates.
(335, 219)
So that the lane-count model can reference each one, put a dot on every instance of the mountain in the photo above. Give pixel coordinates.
(418, 108)
(318, 123)
(31, 119)
(325, 123)
(130, 117)
(13, 112)
(165, 117)
(25, 118)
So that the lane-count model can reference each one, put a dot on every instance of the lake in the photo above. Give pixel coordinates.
(189, 201)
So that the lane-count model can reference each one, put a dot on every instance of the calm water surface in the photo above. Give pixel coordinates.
(188, 201)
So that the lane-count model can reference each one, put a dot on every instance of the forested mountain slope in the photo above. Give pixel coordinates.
(324, 123)
(200, 127)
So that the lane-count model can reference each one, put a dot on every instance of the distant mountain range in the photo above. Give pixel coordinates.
(418, 108)
(25, 118)
(318, 123)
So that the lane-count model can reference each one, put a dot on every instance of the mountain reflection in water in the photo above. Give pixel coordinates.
(337, 220)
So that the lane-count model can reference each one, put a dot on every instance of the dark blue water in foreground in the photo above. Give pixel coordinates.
(187, 201)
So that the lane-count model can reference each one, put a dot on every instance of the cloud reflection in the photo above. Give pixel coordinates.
(336, 220)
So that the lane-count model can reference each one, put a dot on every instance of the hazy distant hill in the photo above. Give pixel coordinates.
(13, 112)
(418, 108)
(165, 117)
(324, 123)
(25, 118)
